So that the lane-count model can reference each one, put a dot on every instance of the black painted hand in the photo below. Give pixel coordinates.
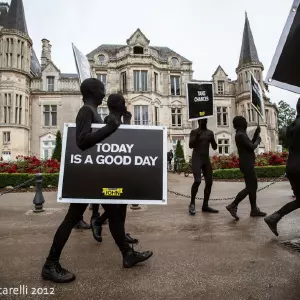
(258, 130)
(112, 122)
(127, 117)
(258, 140)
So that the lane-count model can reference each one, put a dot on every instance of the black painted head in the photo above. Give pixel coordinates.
(239, 122)
(92, 89)
(202, 123)
(298, 107)
(116, 103)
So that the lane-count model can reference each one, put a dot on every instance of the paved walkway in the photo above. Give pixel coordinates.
(209, 257)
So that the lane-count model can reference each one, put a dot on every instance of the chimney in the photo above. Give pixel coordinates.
(46, 53)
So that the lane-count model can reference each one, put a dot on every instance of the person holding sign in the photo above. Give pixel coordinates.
(93, 93)
(117, 108)
(292, 172)
(246, 149)
(200, 140)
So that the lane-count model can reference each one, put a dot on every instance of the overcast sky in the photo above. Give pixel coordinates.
(207, 32)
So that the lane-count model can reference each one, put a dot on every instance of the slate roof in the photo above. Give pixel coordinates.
(35, 66)
(248, 50)
(111, 50)
(16, 17)
(3, 14)
(69, 75)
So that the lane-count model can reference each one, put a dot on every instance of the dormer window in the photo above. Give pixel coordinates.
(138, 50)
(175, 62)
(101, 58)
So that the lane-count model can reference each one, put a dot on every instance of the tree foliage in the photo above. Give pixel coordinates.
(286, 115)
(179, 151)
(57, 150)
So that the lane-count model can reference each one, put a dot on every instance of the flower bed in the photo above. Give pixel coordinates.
(265, 159)
(30, 165)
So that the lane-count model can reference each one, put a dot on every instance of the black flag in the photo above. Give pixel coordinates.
(284, 70)
(199, 100)
(256, 96)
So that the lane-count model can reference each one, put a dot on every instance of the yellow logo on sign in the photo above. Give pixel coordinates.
(116, 192)
(202, 113)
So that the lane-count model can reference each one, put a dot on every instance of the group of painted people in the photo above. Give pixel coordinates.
(202, 138)
(93, 93)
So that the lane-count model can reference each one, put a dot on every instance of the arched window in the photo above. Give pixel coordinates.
(138, 50)
(101, 58)
(175, 61)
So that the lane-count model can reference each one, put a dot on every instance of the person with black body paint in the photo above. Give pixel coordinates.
(246, 149)
(117, 109)
(292, 172)
(93, 93)
(200, 140)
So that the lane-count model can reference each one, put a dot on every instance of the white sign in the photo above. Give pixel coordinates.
(82, 64)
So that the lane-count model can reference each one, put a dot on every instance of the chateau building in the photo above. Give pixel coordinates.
(36, 98)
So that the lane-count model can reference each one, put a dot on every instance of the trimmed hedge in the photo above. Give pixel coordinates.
(14, 179)
(262, 172)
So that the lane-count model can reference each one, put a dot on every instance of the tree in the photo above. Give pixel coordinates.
(57, 151)
(179, 151)
(286, 115)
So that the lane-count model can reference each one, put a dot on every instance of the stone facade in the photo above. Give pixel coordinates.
(36, 99)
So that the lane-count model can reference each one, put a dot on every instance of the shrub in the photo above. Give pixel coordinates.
(262, 172)
(179, 151)
(57, 150)
(18, 178)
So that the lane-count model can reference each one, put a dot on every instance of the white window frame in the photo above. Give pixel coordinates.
(102, 76)
(139, 108)
(221, 87)
(6, 137)
(173, 79)
(177, 114)
(50, 86)
(6, 155)
(251, 113)
(221, 113)
(140, 87)
(50, 139)
(223, 145)
(51, 112)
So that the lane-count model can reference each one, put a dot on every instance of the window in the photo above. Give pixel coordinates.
(9, 52)
(50, 115)
(103, 112)
(156, 120)
(175, 62)
(124, 82)
(101, 58)
(6, 155)
(140, 81)
(257, 75)
(175, 85)
(26, 111)
(176, 117)
(251, 113)
(50, 84)
(141, 115)
(7, 108)
(241, 82)
(223, 146)
(222, 116)
(103, 79)
(6, 137)
(48, 148)
(267, 116)
(20, 54)
(138, 50)
(155, 81)
(18, 109)
(243, 110)
(221, 85)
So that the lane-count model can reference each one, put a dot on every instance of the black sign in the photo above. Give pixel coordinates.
(128, 167)
(285, 66)
(256, 96)
(199, 100)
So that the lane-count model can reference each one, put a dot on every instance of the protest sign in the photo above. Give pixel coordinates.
(82, 64)
(199, 96)
(257, 100)
(129, 167)
(285, 66)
